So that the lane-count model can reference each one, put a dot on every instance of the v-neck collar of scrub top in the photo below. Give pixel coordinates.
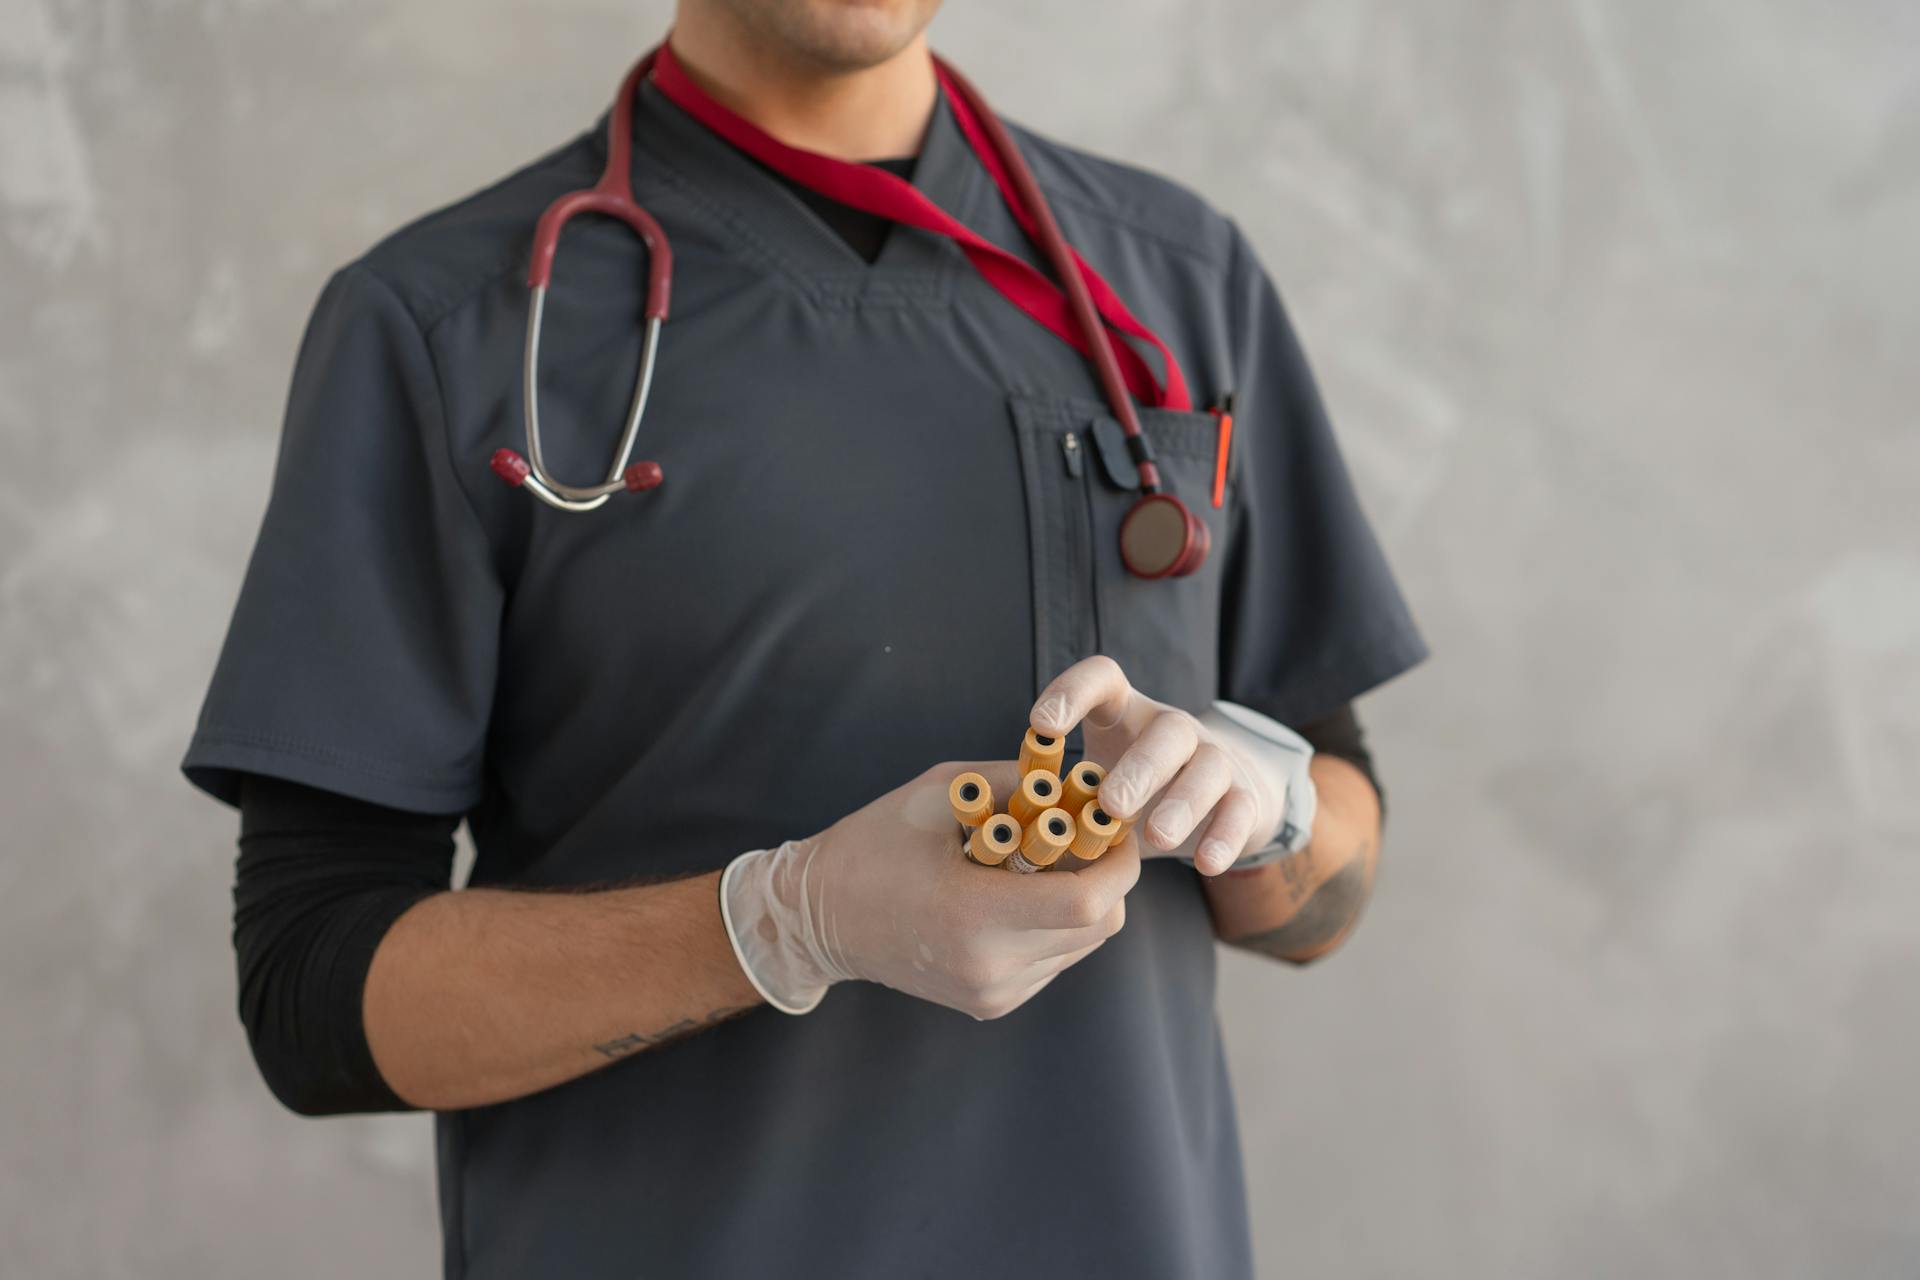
(771, 219)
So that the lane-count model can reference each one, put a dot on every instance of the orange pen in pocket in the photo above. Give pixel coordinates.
(1223, 415)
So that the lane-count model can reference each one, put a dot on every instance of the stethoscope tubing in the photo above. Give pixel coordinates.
(612, 196)
(1053, 243)
(1148, 547)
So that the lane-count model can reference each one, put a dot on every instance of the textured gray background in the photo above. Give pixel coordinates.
(1616, 306)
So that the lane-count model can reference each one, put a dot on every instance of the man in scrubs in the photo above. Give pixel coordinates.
(723, 997)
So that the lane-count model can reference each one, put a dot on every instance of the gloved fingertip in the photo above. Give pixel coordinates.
(1050, 714)
(1212, 857)
(1171, 822)
(1117, 799)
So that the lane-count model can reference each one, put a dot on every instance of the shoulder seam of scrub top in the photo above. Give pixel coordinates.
(473, 281)
(1119, 220)
(1076, 175)
(441, 427)
(446, 308)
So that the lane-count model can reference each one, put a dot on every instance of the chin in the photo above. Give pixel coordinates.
(842, 35)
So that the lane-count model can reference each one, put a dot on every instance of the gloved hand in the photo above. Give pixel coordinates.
(886, 895)
(1241, 771)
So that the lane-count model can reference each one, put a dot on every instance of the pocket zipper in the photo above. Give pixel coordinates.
(1074, 455)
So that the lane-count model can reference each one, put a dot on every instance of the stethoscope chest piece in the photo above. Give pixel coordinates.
(1162, 538)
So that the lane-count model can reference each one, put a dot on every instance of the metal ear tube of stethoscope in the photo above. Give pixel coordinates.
(531, 471)
(1048, 836)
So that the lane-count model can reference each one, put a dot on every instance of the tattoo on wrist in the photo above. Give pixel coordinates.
(636, 1041)
(1320, 916)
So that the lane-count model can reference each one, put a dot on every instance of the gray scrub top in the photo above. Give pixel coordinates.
(890, 514)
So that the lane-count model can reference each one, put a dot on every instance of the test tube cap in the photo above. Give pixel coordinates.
(1094, 831)
(990, 842)
(971, 796)
(1041, 751)
(1080, 785)
(1048, 836)
(1039, 789)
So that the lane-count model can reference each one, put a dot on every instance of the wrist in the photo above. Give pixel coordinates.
(768, 921)
(1277, 761)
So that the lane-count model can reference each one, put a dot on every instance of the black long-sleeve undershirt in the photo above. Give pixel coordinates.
(320, 879)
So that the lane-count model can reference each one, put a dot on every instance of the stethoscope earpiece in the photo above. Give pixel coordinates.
(1162, 538)
(511, 467)
(642, 476)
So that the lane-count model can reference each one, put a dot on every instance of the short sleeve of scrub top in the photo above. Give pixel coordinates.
(361, 653)
(1310, 614)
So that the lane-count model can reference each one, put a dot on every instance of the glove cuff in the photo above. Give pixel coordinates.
(1282, 754)
(772, 952)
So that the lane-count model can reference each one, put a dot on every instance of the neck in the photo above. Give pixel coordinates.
(873, 113)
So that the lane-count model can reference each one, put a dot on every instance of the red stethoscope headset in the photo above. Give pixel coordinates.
(1159, 537)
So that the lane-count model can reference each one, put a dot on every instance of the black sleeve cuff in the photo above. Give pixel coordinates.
(1339, 734)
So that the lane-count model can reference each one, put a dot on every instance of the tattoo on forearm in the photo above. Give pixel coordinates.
(1325, 913)
(1296, 873)
(638, 1040)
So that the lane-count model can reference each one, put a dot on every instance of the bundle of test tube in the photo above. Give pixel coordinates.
(1044, 820)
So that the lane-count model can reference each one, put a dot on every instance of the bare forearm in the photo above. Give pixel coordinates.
(1302, 906)
(483, 995)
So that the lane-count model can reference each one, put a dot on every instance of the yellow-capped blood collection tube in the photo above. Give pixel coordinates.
(972, 799)
(1039, 790)
(1048, 836)
(1093, 831)
(1041, 751)
(1079, 786)
(989, 843)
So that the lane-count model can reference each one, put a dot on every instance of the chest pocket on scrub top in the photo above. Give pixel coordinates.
(1080, 484)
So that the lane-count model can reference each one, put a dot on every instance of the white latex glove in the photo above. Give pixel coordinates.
(1233, 784)
(886, 895)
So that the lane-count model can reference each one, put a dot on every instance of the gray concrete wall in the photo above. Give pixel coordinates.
(1616, 306)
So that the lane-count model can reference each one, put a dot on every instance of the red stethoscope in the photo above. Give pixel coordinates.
(1160, 537)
